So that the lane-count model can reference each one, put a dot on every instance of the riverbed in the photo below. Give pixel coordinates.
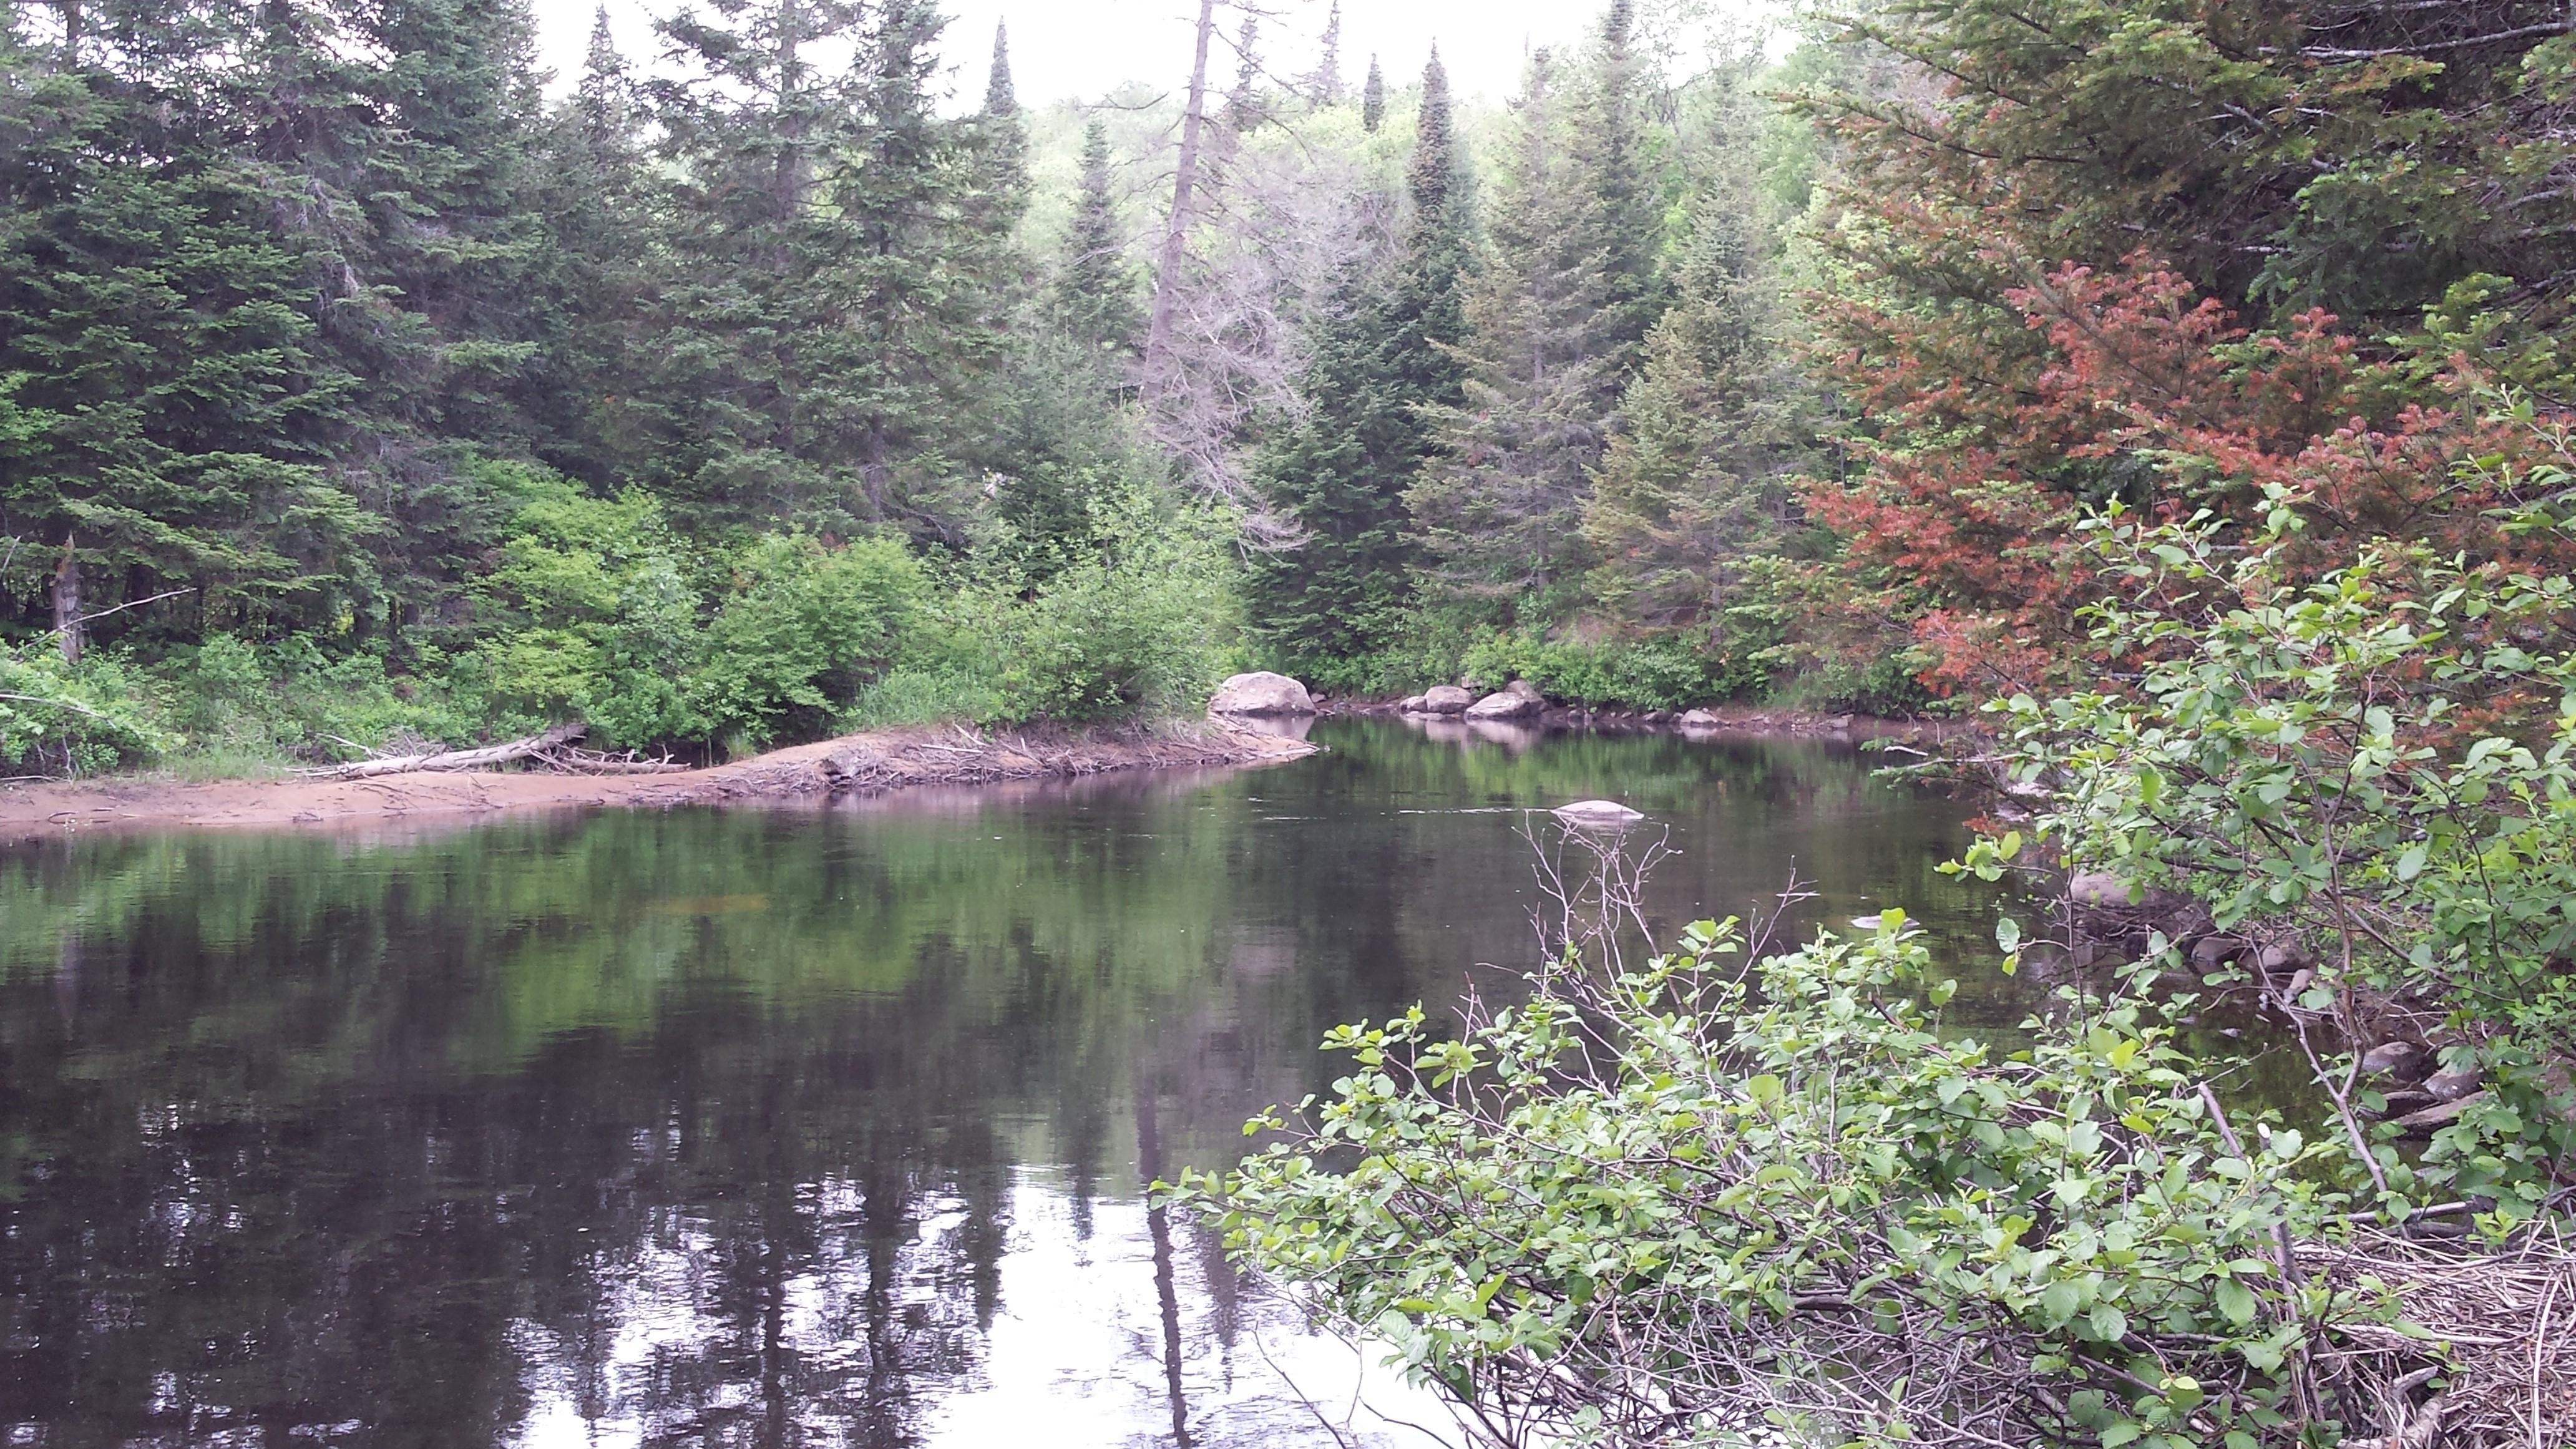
(766, 1127)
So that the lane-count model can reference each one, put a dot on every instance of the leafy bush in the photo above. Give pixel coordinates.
(1658, 672)
(73, 718)
(1649, 1205)
(2381, 762)
(805, 626)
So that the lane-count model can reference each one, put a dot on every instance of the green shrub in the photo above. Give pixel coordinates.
(1656, 672)
(2382, 763)
(74, 719)
(804, 628)
(1625, 1211)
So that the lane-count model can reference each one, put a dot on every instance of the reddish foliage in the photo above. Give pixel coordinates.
(1986, 450)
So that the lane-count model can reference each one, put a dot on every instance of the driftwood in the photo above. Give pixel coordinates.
(532, 746)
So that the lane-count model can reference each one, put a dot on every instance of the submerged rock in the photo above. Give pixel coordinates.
(1261, 692)
(1598, 814)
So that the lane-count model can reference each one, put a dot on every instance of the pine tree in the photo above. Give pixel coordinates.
(1003, 133)
(1696, 482)
(1500, 507)
(1373, 99)
(600, 226)
(1381, 362)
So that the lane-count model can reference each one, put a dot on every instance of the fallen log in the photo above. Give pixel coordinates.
(448, 760)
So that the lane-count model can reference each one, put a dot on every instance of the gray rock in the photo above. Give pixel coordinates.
(2455, 1086)
(1839, 722)
(2277, 959)
(2435, 1116)
(1410, 704)
(1261, 692)
(2299, 981)
(1700, 719)
(2211, 952)
(1598, 814)
(1446, 699)
(1506, 705)
(1525, 690)
(2403, 1060)
(1656, 716)
(2097, 888)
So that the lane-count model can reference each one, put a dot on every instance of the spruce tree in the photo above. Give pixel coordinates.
(1383, 361)
(1003, 133)
(1324, 83)
(1500, 507)
(1696, 483)
(600, 226)
(1243, 104)
(1096, 285)
(1373, 99)
(1614, 150)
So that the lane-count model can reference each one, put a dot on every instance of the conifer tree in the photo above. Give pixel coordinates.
(1373, 99)
(1003, 133)
(1500, 507)
(1096, 285)
(1614, 150)
(1382, 362)
(600, 226)
(1243, 106)
(1696, 482)
(1324, 83)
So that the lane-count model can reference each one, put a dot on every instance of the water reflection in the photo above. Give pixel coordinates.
(770, 1128)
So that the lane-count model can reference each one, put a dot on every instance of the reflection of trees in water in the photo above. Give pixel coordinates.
(710, 1123)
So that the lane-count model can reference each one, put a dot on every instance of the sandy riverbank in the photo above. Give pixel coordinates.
(874, 762)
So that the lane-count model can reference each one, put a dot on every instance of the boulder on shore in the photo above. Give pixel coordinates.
(1446, 699)
(1700, 719)
(1506, 705)
(1261, 692)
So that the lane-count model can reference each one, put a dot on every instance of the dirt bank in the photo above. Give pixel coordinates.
(869, 763)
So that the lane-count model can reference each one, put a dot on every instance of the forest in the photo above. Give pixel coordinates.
(351, 388)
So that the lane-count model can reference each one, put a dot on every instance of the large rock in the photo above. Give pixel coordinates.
(1597, 815)
(1261, 693)
(1700, 719)
(1446, 699)
(1504, 704)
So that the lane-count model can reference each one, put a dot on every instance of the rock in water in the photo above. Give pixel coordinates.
(1446, 699)
(1261, 693)
(1700, 719)
(1506, 705)
(1597, 814)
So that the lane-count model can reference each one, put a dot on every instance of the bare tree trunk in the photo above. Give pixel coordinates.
(67, 602)
(1185, 178)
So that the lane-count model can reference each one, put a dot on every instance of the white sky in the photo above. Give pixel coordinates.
(1081, 49)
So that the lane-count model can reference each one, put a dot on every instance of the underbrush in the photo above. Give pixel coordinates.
(594, 610)
(1693, 1202)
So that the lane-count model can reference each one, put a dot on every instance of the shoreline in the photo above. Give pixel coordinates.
(871, 763)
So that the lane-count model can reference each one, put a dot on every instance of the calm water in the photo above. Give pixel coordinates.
(774, 1128)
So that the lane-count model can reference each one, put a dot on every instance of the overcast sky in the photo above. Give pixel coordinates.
(1080, 49)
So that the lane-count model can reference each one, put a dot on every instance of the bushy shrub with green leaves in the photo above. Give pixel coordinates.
(1656, 672)
(803, 628)
(2380, 763)
(73, 719)
(1646, 1207)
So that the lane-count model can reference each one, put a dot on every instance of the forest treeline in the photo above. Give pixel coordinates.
(350, 388)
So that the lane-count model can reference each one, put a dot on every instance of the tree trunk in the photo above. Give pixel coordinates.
(1185, 178)
(67, 603)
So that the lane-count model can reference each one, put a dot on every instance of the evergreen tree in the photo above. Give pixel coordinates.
(158, 350)
(1614, 150)
(1696, 482)
(1243, 105)
(600, 224)
(1373, 99)
(1500, 507)
(1382, 361)
(1096, 286)
(1003, 133)
(1324, 84)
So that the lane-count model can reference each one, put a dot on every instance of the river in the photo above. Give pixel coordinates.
(768, 1127)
